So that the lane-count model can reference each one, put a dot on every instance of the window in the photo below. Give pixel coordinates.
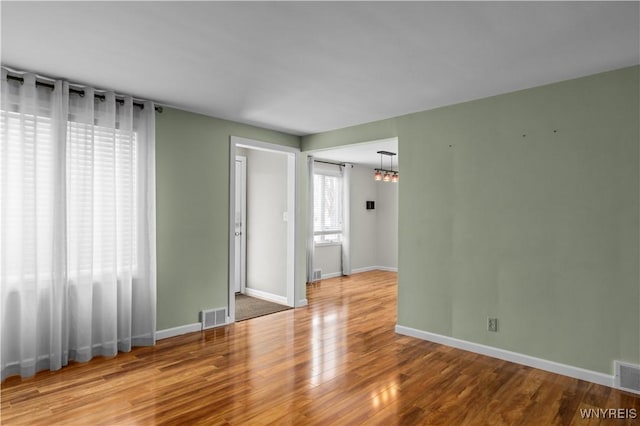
(327, 208)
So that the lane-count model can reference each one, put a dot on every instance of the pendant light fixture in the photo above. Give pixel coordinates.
(386, 175)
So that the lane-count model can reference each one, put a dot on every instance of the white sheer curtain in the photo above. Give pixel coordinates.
(346, 219)
(77, 214)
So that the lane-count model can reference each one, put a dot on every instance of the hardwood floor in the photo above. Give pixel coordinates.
(337, 361)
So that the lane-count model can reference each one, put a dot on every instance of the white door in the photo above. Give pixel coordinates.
(240, 227)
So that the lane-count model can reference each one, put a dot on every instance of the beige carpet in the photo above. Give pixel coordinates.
(251, 307)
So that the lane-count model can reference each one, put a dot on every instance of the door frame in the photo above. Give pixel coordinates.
(243, 220)
(292, 213)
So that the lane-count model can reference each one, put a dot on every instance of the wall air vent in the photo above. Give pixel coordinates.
(627, 376)
(317, 274)
(213, 318)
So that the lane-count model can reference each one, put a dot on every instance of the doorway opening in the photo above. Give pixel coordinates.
(262, 195)
(372, 217)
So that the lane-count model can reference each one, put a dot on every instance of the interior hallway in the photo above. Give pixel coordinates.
(337, 361)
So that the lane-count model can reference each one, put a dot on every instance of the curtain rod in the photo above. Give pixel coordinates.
(78, 92)
(331, 162)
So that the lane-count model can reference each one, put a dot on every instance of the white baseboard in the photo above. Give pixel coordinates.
(359, 270)
(265, 296)
(365, 269)
(301, 303)
(374, 268)
(177, 331)
(331, 275)
(518, 358)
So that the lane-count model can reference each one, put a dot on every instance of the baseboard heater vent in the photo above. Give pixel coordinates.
(213, 318)
(317, 274)
(627, 376)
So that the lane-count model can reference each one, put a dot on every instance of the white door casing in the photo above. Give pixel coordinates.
(292, 209)
(240, 224)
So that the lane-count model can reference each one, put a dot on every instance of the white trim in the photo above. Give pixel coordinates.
(281, 300)
(243, 222)
(231, 302)
(292, 204)
(359, 270)
(263, 146)
(177, 331)
(518, 358)
(373, 268)
(302, 302)
(330, 275)
(364, 269)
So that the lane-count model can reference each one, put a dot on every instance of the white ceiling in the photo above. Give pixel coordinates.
(307, 67)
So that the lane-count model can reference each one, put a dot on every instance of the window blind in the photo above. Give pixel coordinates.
(102, 197)
(28, 156)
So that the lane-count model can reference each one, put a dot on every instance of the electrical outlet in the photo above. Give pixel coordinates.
(492, 324)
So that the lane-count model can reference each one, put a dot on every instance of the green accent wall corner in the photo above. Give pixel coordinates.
(523, 207)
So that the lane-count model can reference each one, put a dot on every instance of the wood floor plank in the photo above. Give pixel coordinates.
(336, 361)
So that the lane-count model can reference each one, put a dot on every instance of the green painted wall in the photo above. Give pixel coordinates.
(540, 231)
(192, 186)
